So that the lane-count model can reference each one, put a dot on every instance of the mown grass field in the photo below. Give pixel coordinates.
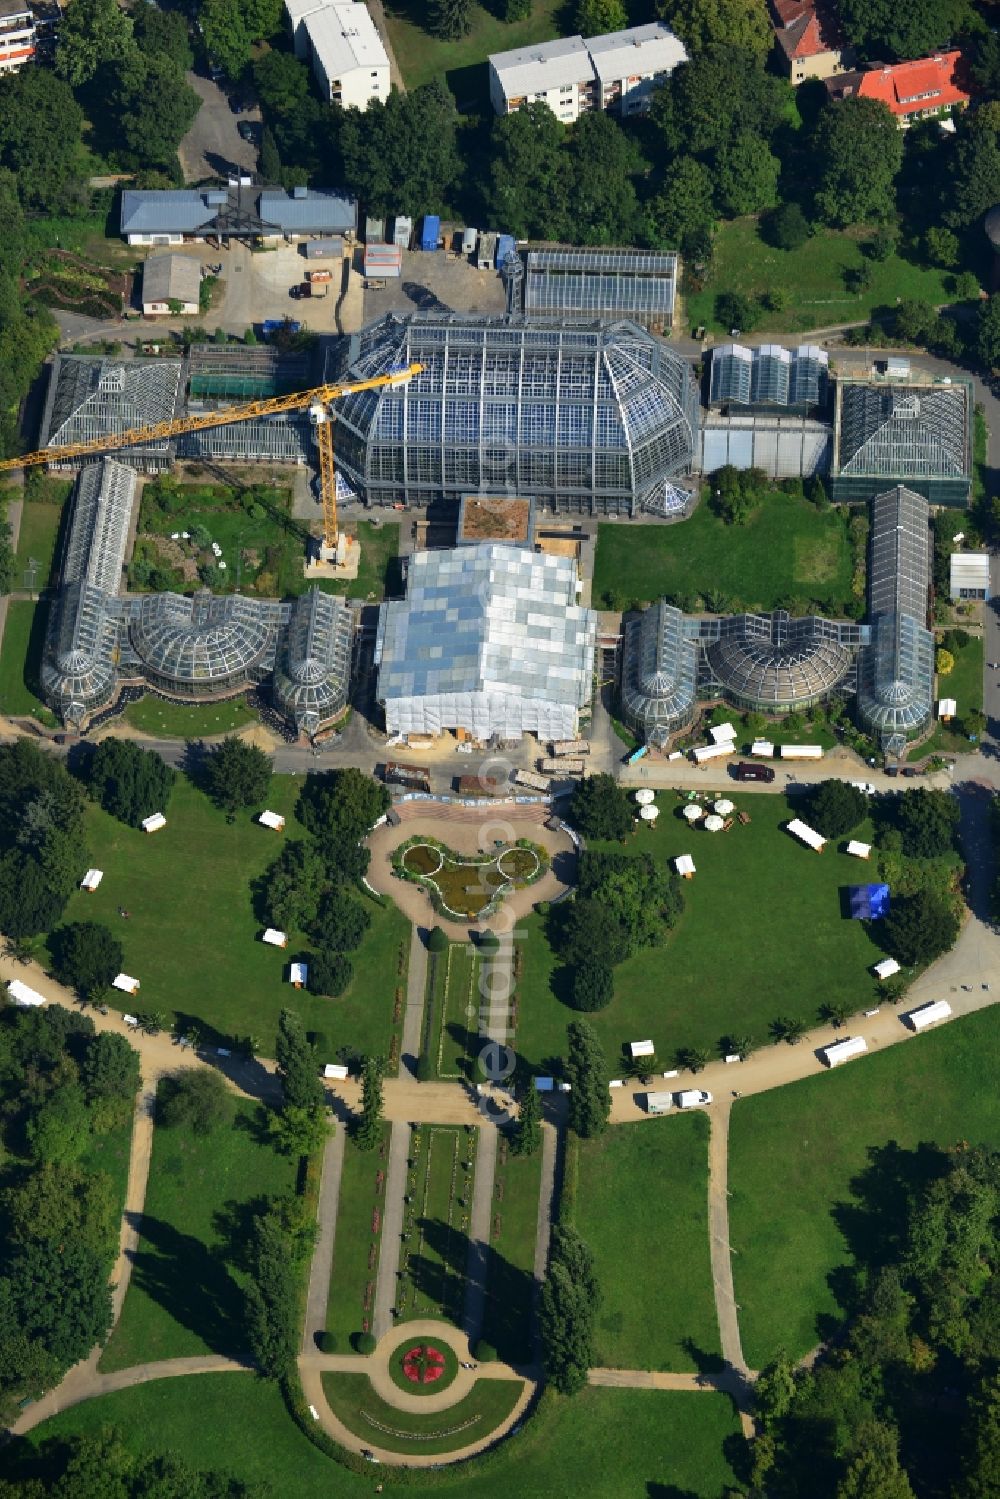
(193, 937)
(435, 1254)
(965, 685)
(762, 935)
(20, 657)
(510, 1284)
(356, 1247)
(422, 57)
(812, 278)
(642, 1206)
(378, 569)
(186, 1291)
(787, 549)
(798, 1211)
(155, 716)
(641, 1443)
(37, 538)
(352, 1398)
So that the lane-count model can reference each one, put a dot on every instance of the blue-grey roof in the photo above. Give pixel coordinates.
(316, 213)
(184, 211)
(175, 211)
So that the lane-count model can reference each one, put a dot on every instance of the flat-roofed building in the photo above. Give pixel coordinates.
(341, 41)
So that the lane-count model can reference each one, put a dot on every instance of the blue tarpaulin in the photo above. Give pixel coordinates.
(868, 902)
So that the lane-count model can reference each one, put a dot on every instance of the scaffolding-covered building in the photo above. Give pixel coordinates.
(659, 673)
(917, 434)
(93, 397)
(896, 669)
(491, 640)
(587, 418)
(632, 284)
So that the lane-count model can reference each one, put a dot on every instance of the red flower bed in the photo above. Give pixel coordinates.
(423, 1364)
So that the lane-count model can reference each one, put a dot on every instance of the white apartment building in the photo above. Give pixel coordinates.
(340, 39)
(572, 75)
(17, 35)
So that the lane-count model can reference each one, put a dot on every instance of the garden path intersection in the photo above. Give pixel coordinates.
(968, 976)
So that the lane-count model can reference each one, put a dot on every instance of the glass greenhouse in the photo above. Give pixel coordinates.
(602, 283)
(918, 435)
(770, 375)
(588, 418)
(96, 397)
(313, 674)
(896, 671)
(772, 663)
(659, 674)
(490, 638)
(203, 645)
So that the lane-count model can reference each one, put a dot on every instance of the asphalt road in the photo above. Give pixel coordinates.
(213, 146)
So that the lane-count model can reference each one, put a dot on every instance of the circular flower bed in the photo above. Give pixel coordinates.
(422, 1368)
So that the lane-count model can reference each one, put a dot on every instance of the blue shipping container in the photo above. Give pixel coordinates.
(275, 324)
(431, 232)
(505, 247)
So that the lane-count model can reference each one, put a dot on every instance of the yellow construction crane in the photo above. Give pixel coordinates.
(318, 399)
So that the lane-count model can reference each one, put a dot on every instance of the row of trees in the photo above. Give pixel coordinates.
(102, 1464)
(130, 783)
(42, 844)
(61, 1085)
(921, 1336)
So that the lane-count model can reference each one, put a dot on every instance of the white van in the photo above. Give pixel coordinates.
(693, 1098)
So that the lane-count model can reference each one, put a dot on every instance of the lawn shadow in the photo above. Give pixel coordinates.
(498, 1300)
(704, 1362)
(191, 1283)
(469, 1044)
(234, 1223)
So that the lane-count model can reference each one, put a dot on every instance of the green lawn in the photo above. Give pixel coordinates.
(510, 1279)
(788, 549)
(642, 1206)
(276, 543)
(965, 685)
(422, 57)
(762, 935)
(37, 538)
(813, 729)
(23, 641)
(440, 1187)
(452, 986)
(795, 1154)
(186, 1292)
(378, 570)
(812, 278)
(193, 939)
(355, 1251)
(153, 715)
(643, 1444)
(352, 1398)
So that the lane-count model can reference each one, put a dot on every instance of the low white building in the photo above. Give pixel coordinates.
(340, 40)
(970, 575)
(573, 75)
(171, 284)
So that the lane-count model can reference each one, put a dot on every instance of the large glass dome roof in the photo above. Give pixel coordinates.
(201, 639)
(596, 414)
(777, 660)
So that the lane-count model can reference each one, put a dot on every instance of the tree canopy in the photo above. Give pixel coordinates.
(587, 1075)
(835, 807)
(858, 150)
(702, 24)
(884, 31)
(401, 154)
(568, 1307)
(600, 808)
(130, 783)
(87, 956)
(237, 774)
(926, 820)
(920, 927)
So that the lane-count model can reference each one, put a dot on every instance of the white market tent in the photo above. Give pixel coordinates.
(723, 806)
(336, 1071)
(298, 973)
(649, 814)
(712, 751)
(645, 796)
(886, 968)
(92, 879)
(274, 938)
(859, 850)
(272, 820)
(126, 983)
(802, 752)
(762, 748)
(947, 707)
(641, 1049)
(807, 835)
(22, 995)
(692, 812)
(925, 1015)
(659, 1103)
(155, 823)
(713, 823)
(843, 1051)
(684, 865)
(722, 733)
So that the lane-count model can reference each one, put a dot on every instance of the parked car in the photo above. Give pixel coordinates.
(910, 771)
(247, 130)
(749, 770)
(693, 1098)
(297, 291)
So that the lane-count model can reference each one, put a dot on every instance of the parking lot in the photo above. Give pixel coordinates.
(435, 281)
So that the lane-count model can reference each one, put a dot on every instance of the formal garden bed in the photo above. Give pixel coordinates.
(360, 1209)
(468, 886)
(423, 1367)
(440, 1175)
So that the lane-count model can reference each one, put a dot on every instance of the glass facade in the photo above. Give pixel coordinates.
(602, 283)
(917, 434)
(896, 671)
(588, 418)
(659, 674)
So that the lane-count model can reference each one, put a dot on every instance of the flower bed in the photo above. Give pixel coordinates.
(468, 887)
(423, 1368)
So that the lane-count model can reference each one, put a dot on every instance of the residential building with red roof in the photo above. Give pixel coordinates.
(809, 39)
(911, 90)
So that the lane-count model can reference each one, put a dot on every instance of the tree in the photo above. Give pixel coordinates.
(942, 246)
(603, 160)
(369, 1124)
(341, 923)
(529, 172)
(981, 1448)
(693, 1058)
(297, 1131)
(87, 956)
(593, 987)
(226, 35)
(269, 159)
(590, 936)
(944, 662)
(682, 211)
(130, 783)
(746, 175)
(567, 1309)
(873, 1470)
(449, 19)
(774, 1390)
(437, 940)
(297, 1065)
(92, 33)
(294, 885)
(163, 31)
(59, 1131)
(927, 821)
(341, 805)
(600, 808)
(735, 310)
(920, 927)
(196, 1100)
(886, 32)
(596, 17)
(858, 149)
(527, 1134)
(720, 93)
(515, 10)
(835, 807)
(329, 974)
(587, 1074)
(787, 228)
(988, 333)
(788, 1028)
(740, 1045)
(237, 774)
(151, 108)
(974, 182)
(836, 1012)
(702, 24)
(41, 128)
(109, 1071)
(274, 1254)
